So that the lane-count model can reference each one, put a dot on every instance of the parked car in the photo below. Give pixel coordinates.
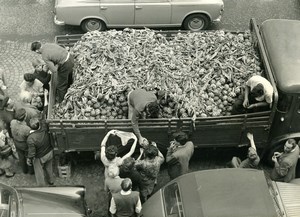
(92, 15)
(228, 192)
(42, 201)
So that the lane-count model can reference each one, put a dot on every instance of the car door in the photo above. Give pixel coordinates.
(117, 12)
(152, 12)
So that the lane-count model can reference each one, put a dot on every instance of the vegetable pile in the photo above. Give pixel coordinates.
(201, 74)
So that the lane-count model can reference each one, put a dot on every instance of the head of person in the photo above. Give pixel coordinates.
(152, 109)
(34, 123)
(180, 138)
(289, 145)
(151, 152)
(29, 78)
(20, 114)
(36, 46)
(37, 65)
(111, 152)
(126, 184)
(252, 154)
(258, 90)
(128, 164)
(113, 171)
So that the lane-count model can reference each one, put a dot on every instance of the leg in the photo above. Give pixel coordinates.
(64, 73)
(130, 108)
(22, 161)
(39, 172)
(48, 167)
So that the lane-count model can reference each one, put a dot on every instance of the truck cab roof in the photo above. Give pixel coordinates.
(281, 40)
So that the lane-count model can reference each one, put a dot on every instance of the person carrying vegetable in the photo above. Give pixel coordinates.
(108, 154)
(59, 61)
(258, 96)
(141, 104)
(41, 72)
(252, 159)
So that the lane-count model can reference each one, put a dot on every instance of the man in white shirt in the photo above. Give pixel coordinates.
(258, 96)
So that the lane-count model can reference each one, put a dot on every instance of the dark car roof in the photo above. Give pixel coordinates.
(281, 39)
(227, 193)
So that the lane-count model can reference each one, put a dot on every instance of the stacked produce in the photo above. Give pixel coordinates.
(201, 74)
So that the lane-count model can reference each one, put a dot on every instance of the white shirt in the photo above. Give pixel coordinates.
(268, 89)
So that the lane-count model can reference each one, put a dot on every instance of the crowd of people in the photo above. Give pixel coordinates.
(129, 181)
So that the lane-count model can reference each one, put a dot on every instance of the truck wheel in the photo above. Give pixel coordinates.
(196, 22)
(92, 25)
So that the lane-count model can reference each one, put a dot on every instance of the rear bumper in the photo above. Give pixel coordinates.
(58, 22)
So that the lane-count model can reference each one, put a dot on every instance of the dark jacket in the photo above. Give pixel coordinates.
(125, 204)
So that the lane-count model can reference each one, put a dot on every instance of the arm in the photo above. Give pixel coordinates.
(31, 148)
(103, 143)
(132, 149)
(50, 64)
(251, 139)
(246, 94)
(258, 104)
(283, 168)
(138, 207)
(170, 157)
(113, 207)
(135, 124)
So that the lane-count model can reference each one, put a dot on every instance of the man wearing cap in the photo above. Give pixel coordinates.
(59, 61)
(20, 132)
(179, 154)
(40, 152)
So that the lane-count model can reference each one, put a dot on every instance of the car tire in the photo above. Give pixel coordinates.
(89, 25)
(196, 22)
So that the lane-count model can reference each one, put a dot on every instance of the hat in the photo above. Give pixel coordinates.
(20, 114)
(4, 103)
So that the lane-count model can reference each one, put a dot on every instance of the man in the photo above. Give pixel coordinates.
(59, 61)
(258, 96)
(20, 131)
(141, 103)
(149, 168)
(285, 163)
(3, 87)
(126, 203)
(41, 72)
(7, 114)
(40, 151)
(179, 154)
(252, 159)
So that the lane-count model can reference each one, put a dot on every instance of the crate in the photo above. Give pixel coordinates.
(64, 171)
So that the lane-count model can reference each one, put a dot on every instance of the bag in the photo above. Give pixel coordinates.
(5, 151)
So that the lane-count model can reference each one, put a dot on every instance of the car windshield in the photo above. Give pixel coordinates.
(173, 202)
(8, 202)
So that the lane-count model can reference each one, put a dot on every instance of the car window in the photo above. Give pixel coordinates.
(8, 203)
(173, 202)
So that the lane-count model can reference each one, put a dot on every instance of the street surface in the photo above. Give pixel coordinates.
(23, 21)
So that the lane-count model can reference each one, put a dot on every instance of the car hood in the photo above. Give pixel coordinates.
(289, 195)
(52, 201)
(227, 193)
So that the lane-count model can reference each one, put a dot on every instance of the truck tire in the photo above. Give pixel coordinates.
(196, 22)
(93, 24)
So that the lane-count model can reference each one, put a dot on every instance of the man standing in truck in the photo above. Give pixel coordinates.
(141, 104)
(258, 96)
(59, 61)
(285, 163)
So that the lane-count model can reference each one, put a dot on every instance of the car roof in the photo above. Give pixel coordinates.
(281, 39)
(226, 192)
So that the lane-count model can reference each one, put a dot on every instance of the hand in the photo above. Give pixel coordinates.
(274, 159)
(143, 141)
(251, 106)
(29, 162)
(246, 103)
(250, 136)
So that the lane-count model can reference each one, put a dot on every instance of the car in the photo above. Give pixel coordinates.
(43, 201)
(227, 192)
(193, 15)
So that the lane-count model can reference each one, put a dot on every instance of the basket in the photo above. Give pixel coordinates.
(64, 171)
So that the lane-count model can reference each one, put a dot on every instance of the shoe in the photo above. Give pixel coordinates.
(9, 175)
(51, 183)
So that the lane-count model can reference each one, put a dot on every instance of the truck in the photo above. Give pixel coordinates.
(279, 52)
